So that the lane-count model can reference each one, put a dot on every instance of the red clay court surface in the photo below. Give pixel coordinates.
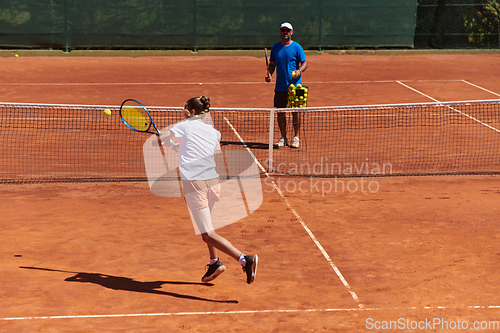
(112, 257)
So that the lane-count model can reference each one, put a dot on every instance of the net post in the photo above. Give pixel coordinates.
(271, 140)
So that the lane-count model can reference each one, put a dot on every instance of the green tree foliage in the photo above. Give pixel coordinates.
(493, 6)
(481, 23)
(458, 24)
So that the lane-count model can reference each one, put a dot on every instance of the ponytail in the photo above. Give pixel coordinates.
(199, 105)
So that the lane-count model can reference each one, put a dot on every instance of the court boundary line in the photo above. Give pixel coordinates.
(479, 87)
(451, 108)
(299, 218)
(198, 83)
(231, 312)
(418, 92)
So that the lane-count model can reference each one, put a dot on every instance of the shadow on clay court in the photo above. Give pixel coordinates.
(128, 284)
(251, 145)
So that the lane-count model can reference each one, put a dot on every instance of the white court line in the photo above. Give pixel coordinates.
(474, 85)
(417, 91)
(449, 107)
(122, 83)
(378, 81)
(198, 83)
(299, 218)
(275, 311)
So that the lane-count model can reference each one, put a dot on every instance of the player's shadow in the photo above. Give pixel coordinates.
(128, 284)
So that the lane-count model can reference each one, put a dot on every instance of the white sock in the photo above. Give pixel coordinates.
(213, 261)
(242, 260)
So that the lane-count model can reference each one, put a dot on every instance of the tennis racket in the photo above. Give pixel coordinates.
(136, 117)
(267, 62)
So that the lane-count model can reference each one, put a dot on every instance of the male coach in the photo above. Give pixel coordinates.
(286, 57)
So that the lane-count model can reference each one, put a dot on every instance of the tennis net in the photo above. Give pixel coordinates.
(75, 143)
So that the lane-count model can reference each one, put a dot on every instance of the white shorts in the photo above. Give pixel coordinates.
(201, 193)
(200, 196)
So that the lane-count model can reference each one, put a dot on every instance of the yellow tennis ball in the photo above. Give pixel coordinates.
(107, 112)
(17, 55)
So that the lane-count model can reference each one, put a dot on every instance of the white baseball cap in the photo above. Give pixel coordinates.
(286, 25)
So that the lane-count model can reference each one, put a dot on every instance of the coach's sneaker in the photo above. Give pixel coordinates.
(213, 271)
(251, 268)
(295, 143)
(282, 142)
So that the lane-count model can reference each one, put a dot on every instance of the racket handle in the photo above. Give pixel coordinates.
(161, 145)
(162, 152)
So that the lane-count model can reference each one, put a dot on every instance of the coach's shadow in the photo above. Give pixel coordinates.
(251, 145)
(127, 284)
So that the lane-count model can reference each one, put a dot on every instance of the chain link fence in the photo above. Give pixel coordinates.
(457, 24)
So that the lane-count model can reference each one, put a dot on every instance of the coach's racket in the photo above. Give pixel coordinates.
(267, 62)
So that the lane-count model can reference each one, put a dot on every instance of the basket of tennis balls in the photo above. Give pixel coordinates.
(297, 96)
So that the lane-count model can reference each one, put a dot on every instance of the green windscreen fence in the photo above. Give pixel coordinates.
(205, 24)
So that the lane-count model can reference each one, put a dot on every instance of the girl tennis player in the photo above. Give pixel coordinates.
(201, 185)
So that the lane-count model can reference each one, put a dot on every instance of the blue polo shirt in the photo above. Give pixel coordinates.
(287, 59)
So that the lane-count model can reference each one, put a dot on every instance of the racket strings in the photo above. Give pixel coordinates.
(135, 116)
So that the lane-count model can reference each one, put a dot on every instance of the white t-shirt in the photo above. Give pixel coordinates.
(197, 144)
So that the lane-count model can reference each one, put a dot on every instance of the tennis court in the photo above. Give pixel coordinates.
(336, 254)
